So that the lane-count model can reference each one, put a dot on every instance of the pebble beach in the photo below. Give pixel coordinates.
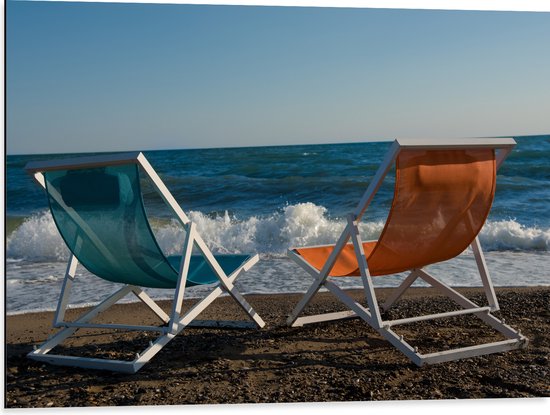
(327, 362)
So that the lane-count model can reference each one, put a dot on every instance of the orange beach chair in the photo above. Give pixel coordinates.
(442, 197)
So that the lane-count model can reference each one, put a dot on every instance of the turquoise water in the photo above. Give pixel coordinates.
(267, 199)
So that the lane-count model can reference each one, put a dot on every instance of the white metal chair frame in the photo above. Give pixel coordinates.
(176, 321)
(372, 314)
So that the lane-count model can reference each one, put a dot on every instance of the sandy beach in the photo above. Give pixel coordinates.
(339, 361)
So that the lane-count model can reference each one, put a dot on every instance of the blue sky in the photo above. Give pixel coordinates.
(101, 77)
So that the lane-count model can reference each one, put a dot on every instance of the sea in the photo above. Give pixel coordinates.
(267, 199)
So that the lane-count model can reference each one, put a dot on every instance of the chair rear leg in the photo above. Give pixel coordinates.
(399, 291)
(188, 319)
(515, 339)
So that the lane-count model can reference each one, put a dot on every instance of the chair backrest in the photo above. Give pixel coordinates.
(441, 200)
(99, 212)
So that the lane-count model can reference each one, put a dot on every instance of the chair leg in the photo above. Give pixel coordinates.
(189, 318)
(399, 291)
(370, 294)
(226, 283)
(452, 354)
(515, 339)
(371, 315)
(42, 353)
(177, 303)
(65, 290)
(319, 277)
(104, 364)
(232, 290)
(148, 301)
(356, 310)
(465, 303)
(304, 301)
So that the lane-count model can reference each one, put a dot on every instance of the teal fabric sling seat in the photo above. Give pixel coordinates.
(96, 203)
(100, 212)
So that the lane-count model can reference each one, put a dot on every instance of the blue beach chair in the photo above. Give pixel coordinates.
(97, 206)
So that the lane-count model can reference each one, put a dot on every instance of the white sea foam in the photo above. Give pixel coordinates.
(37, 238)
(511, 235)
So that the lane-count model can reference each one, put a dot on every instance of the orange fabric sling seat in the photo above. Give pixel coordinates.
(441, 200)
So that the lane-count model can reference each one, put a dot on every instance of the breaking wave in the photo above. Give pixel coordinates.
(37, 238)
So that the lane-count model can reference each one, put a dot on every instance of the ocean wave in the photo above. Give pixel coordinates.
(508, 235)
(37, 238)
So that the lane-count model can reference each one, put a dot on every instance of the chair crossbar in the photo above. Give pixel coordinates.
(105, 304)
(113, 327)
(353, 305)
(472, 351)
(83, 162)
(390, 323)
(223, 324)
(86, 362)
(301, 321)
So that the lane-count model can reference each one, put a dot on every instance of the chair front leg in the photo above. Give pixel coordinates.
(319, 276)
(177, 303)
(65, 291)
(365, 274)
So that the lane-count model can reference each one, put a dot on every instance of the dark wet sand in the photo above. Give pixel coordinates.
(338, 361)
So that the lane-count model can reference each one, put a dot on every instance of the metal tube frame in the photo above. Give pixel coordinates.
(174, 323)
(372, 314)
